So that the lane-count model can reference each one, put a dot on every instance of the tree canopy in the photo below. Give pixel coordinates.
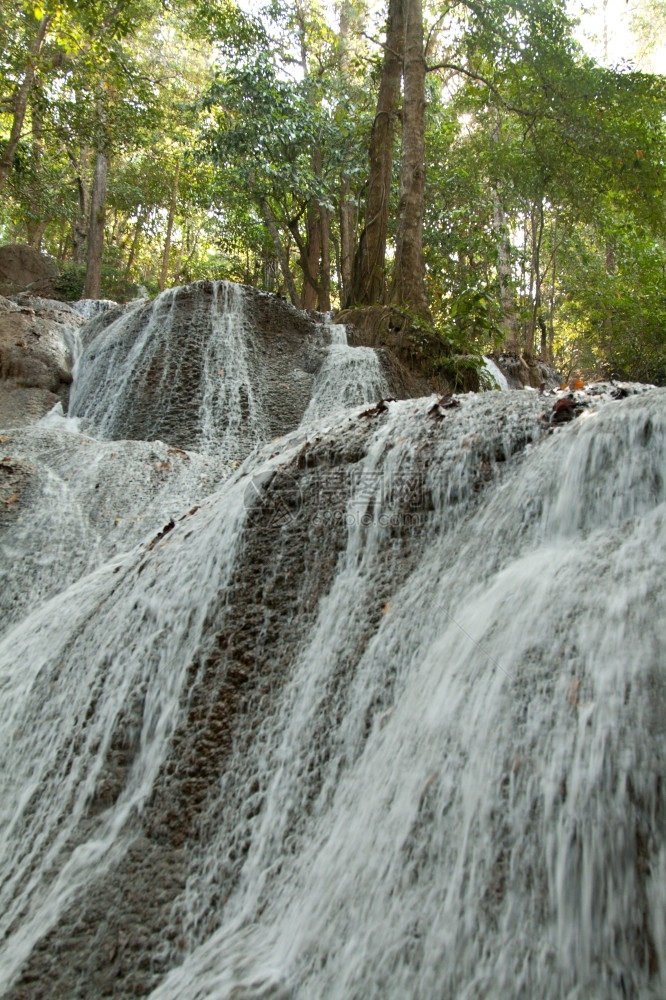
(466, 167)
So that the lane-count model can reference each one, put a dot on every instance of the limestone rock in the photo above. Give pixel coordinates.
(216, 367)
(35, 358)
(22, 268)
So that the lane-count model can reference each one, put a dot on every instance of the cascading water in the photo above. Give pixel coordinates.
(383, 717)
(210, 368)
(177, 370)
(348, 377)
(495, 373)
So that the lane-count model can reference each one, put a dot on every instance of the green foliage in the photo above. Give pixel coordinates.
(545, 172)
(69, 285)
(463, 372)
(612, 316)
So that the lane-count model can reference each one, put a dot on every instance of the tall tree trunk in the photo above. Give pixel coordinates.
(93, 284)
(310, 292)
(324, 303)
(20, 101)
(138, 229)
(508, 313)
(167, 241)
(368, 284)
(509, 318)
(348, 207)
(550, 337)
(317, 257)
(271, 225)
(535, 279)
(348, 215)
(36, 224)
(80, 225)
(408, 287)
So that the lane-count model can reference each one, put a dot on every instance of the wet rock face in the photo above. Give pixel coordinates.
(291, 618)
(35, 358)
(138, 920)
(521, 372)
(201, 365)
(68, 503)
(22, 268)
(211, 366)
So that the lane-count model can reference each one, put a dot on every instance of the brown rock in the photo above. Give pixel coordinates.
(35, 360)
(22, 268)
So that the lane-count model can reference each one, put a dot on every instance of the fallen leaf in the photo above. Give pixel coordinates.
(374, 411)
(12, 499)
(178, 451)
(448, 401)
(386, 608)
(162, 466)
(160, 535)
(573, 692)
(189, 514)
(577, 383)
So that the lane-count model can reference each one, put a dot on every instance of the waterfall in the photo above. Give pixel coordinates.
(337, 333)
(211, 368)
(177, 368)
(495, 373)
(349, 376)
(380, 716)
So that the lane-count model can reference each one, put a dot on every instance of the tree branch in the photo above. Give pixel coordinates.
(480, 79)
(381, 45)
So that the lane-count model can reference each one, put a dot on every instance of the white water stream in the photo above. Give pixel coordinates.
(496, 373)
(465, 801)
(161, 366)
(486, 837)
(348, 377)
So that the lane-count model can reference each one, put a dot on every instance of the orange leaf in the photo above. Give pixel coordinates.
(573, 692)
(12, 499)
(577, 383)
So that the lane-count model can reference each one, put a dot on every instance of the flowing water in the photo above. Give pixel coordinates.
(349, 376)
(383, 717)
(194, 368)
(495, 373)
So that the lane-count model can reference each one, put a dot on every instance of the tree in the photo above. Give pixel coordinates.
(408, 286)
(369, 276)
(35, 34)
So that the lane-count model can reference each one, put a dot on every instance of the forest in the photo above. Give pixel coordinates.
(462, 172)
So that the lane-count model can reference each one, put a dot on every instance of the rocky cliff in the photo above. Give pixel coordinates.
(376, 713)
